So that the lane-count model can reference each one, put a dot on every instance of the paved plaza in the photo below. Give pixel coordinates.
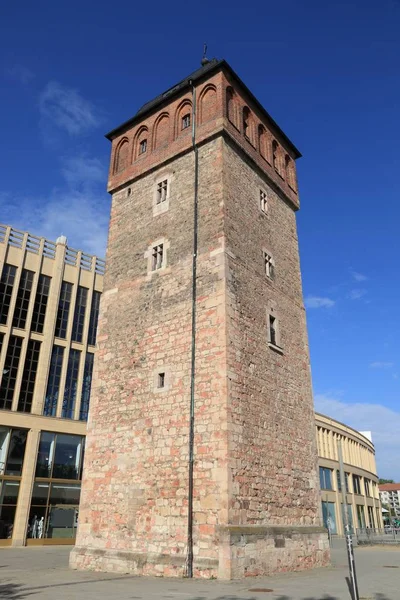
(42, 573)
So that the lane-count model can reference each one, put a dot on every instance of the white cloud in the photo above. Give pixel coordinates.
(381, 365)
(21, 74)
(318, 302)
(356, 294)
(358, 276)
(383, 422)
(67, 109)
(78, 210)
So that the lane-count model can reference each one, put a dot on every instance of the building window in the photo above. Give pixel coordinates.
(53, 384)
(161, 380)
(356, 484)
(86, 386)
(39, 309)
(272, 330)
(275, 154)
(186, 121)
(79, 314)
(12, 452)
(94, 317)
(162, 191)
(263, 201)
(371, 517)
(23, 297)
(157, 257)
(360, 516)
(268, 265)
(63, 310)
(29, 376)
(142, 146)
(329, 517)
(71, 384)
(10, 371)
(366, 486)
(55, 504)
(6, 288)
(325, 478)
(339, 484)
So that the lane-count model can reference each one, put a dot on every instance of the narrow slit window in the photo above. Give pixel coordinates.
(186, 121)
(263, 201)
(272, 330)
(157, 257)
(268, 265)
(161, 380)
(162, 190)
(275, 154)
(142, 146)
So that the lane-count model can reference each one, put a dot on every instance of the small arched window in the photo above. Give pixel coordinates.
(143, 146)
(275, 155)
(185, 121)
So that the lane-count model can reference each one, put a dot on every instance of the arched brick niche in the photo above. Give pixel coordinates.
(161, 133)
(183, 118)
(121, 156)
(248, 125)
(141, 142)
(207, 103)
(232, 107)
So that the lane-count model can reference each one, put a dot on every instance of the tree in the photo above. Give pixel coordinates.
(383, 481)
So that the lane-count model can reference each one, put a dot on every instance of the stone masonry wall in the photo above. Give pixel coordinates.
(273, 456)
(133, 512)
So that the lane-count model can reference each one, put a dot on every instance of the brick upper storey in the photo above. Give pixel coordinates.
(224, 105)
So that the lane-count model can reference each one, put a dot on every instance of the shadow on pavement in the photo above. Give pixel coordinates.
(13, 591)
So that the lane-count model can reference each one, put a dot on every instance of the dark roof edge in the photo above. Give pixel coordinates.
(220, 64)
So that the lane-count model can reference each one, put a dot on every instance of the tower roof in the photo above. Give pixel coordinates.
(203, 72)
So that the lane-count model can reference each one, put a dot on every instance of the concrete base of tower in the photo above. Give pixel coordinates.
(244, 551)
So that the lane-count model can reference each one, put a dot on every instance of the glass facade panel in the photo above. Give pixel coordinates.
(63, 310)
(79, 314)
(16, 452)
(44, 464)
(6, 288)
(325, 478)
(71, 384)
(360, 516)
(53, 383)
(65, 493)
(94, 317)
(339, 486)
(87, 382)
(10, 370)
(29, 376)
(9, 492)
(39, 309)
(356, 484)
(7, 516)
(40, 493)
(329, 516)
(23, 297)
(371, 516)
(67, 461)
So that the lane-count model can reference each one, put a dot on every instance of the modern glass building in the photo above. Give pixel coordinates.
(49, 307)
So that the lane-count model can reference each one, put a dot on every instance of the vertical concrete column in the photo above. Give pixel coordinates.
(50, 323)
(25, 490)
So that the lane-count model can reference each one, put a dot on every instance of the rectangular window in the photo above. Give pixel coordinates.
(29, 376)
(6, 288)
(186, 121)
(339, 486)
(79, 314)
(16, 452)
(142, 146)
(366, 486)
(356, 484)
(87, 383)
(53, 383)
(68, 457)
(325, 478)
(39, 309)
(157, 257)
(272, 330)
(63, 310)
(268, 265)
(162, 189)
(329, 517)
(371, 516)
(71, 384)
(360, 516)
(263, 201)
(161, 380)
(10, 372)
(23, 297)
(94, 317)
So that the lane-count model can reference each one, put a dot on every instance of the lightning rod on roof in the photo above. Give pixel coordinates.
(204, 60)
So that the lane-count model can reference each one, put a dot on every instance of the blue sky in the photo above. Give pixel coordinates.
(329, 75)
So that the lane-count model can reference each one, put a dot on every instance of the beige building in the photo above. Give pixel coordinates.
(363, 504)
(49, 302)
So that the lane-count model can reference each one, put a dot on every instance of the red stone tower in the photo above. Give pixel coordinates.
(203, 160)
